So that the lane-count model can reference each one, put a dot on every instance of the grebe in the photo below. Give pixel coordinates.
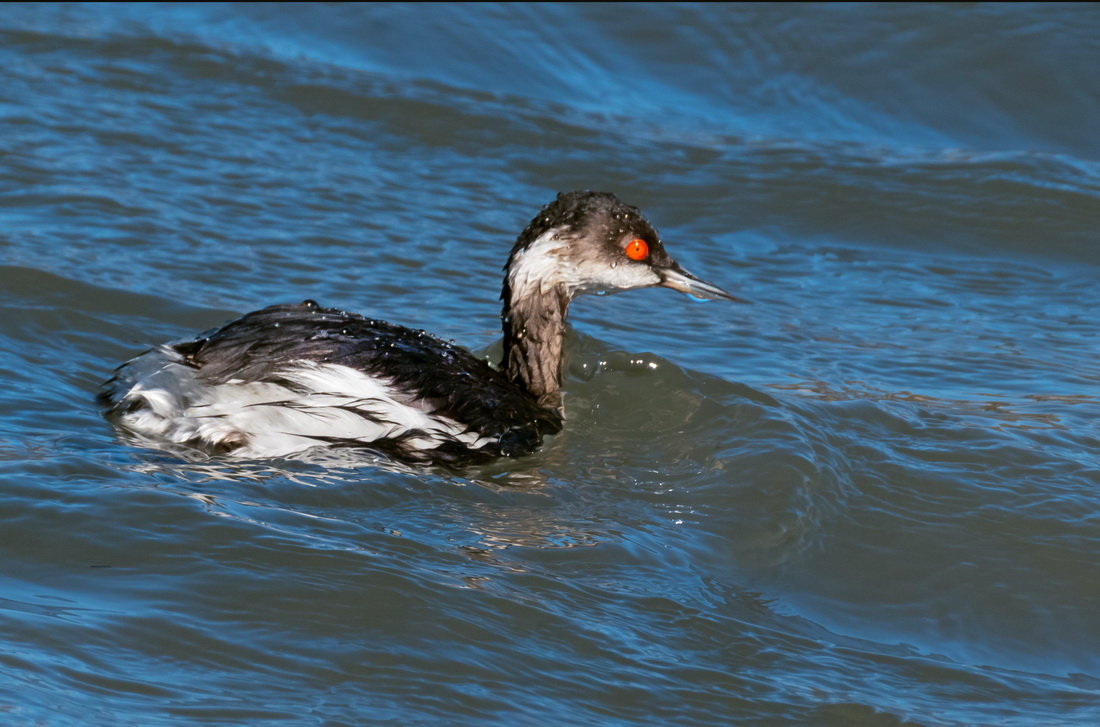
(290, 377)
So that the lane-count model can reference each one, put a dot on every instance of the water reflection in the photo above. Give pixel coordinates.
(1008, 410)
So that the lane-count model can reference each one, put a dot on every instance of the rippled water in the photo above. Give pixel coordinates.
(868, 498)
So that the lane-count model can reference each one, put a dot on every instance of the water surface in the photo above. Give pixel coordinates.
(869, 498)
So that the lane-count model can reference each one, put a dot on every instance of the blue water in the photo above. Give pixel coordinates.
(868, 498)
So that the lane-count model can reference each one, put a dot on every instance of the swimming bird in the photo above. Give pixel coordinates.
(287, 378)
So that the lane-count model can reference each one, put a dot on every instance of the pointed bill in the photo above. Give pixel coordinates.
(677, 278)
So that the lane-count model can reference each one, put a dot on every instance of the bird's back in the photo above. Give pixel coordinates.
(288, 377)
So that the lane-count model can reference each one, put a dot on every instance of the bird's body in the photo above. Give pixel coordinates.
(287, 378)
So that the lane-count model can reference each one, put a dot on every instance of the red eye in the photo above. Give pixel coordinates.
(637, 249)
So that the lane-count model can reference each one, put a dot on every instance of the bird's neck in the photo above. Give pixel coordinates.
(535, 306)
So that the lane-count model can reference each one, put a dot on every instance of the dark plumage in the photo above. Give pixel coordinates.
(446, 378)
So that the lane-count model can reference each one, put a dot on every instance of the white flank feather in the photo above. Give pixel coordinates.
(159, 397)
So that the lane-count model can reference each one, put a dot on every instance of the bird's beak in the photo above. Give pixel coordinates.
(677, 278)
